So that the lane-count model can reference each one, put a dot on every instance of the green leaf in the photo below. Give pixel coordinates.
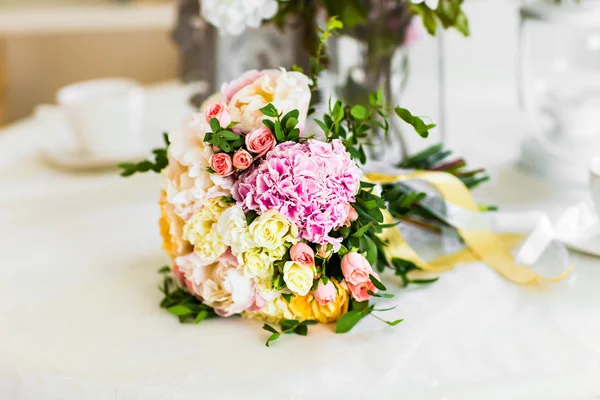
(201, 316)
(179, 310)
(215, 125)
(269, 110)
(404, 114)
(272, 338)
(279, 133)
(362, 230)
(269, 124)
(359, 112)
(348, 321)
(382, 295)
(287, 297)
(269, 328)
(164, 270)
(251, 216)
(377, 283)
(424, 281)
(228, 135)
(359, 305)
(301, 330)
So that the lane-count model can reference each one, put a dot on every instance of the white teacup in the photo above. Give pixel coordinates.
(595, 183)
(106, 116)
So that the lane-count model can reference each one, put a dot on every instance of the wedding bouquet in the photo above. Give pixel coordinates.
(266, 213)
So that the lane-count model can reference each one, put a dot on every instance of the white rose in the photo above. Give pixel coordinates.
(234, 230)
(272, 230)
(233, 16)
(257, 264)
(298, 278)
(201, 230)
(285, 90)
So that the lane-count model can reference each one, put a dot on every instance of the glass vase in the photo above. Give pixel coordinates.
(394, 53)
(559, 84)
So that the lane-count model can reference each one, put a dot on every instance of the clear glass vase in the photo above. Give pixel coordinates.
(213, 58)
(559, 82)
(381, 54)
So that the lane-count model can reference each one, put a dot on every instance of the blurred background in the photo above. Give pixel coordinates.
(46, 44)
(475, 88)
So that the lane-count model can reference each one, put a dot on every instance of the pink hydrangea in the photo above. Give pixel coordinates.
(310, 183)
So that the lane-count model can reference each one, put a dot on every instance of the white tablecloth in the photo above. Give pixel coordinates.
(79, 315)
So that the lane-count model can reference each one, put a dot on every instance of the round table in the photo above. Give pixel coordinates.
(79, 316)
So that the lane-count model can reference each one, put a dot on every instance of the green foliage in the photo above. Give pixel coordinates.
(160, 161)
(448, 13)
(180, 302)
(287, 326)
(223, 138)
(420, 127)
(316, 62)
(403, 268)
(284, 128)
(357, 313)
(436, 158)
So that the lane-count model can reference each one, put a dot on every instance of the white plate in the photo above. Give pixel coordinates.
(579, 229)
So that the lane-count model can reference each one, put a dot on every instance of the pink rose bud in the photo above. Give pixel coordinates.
(260, 141)
(302, 254)
(325, 293)
(360, 292)
(242, 159)
(352, 216)
(356, 269)
(324, 251)
(221, 163)
(219, 111)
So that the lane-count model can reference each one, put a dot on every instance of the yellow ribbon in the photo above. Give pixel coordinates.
(480, 245)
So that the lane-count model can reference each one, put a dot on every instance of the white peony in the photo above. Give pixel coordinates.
(432, 4)
(227, 290)
(285, 90)
(234, 16)
(186, 179)
(234, 230)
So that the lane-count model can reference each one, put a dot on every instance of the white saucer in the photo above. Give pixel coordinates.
(579, 229)
(71, 161)
(588, 243)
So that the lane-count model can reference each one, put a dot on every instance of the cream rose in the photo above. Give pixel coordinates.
(298, 278)
(256, 264)
(285, 90)
(234, 230)
(272, 230)
(201, 230)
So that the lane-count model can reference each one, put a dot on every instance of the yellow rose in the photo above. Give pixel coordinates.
(307, 308)
(171, 229)
(298, 278)
(256, 264)
(272, 230)
(202, 231)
